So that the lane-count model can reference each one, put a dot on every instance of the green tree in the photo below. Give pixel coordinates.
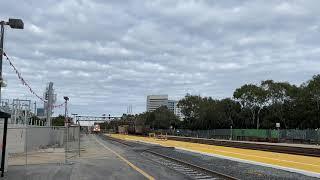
(190, 108)
(164, 118)
(277, 95)
(231, 110)
(58, 121)
(313, 90)
(254, 98)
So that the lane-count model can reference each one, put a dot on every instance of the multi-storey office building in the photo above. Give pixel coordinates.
(155, 101)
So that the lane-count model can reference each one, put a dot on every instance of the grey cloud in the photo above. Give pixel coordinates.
(108, 54)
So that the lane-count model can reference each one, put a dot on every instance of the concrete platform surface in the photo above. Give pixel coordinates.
(99, 160)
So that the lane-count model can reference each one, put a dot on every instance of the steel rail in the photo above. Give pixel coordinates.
(193, 166)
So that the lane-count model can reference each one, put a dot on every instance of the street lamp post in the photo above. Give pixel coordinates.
(66, 110)
(14, 24)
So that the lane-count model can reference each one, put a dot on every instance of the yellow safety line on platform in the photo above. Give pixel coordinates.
(126, 161)
(306, 163)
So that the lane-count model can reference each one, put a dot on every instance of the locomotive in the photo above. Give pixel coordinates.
(96, 129)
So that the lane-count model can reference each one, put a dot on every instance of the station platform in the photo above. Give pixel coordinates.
(310, 146)
(295, 163)
(297, 149)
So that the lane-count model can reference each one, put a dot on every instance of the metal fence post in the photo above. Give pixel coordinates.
(67, 138)
(4, 143)
(278, 135)
(79, 139)
(26, 147)
(65, 146)
(317, 136)
(66, 126)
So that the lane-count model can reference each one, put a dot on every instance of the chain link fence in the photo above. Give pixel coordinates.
(31, 146)
(307, 136)
(72, 147)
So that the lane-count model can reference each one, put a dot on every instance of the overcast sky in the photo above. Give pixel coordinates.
(106, 55)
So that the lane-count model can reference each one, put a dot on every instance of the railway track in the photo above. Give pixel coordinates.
(180, 165)
(192, 170)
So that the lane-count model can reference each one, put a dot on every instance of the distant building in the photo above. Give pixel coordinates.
(177, 112)
(171, 105)
(40, 112)
(156, 101)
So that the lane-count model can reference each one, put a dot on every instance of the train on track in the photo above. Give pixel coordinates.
(95, 129)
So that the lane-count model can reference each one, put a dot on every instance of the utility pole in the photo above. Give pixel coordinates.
(49, 98)
(1, 51)
(35, 108)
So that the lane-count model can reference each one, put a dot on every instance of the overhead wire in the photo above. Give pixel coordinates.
(24, 82)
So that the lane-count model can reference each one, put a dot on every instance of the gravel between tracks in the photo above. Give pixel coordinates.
(233, 168)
